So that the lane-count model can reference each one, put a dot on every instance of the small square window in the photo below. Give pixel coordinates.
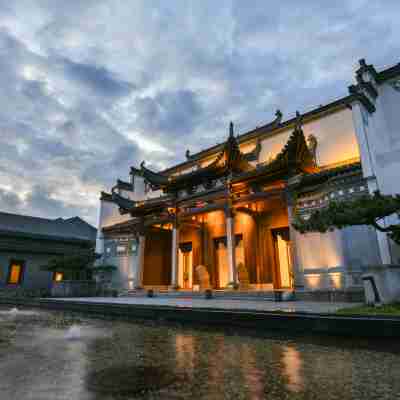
(15, 272)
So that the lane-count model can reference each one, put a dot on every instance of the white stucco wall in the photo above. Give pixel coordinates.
(321, 259)
(383, 134)
(379, 142)
(335, 133)
(108, 215)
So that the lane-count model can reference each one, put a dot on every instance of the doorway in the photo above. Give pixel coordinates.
(221, 257)
(185, 268)
(282, 254)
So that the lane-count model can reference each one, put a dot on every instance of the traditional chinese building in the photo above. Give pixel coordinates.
(229, 208)
(28, 243)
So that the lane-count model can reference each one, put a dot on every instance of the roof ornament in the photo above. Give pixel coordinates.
(362, 63)
(231, 129)
(278, 115)
(142, 164)
(187, 154)
(298, 122)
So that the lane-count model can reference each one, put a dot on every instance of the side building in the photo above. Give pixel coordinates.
(229, 208)
(27, 243)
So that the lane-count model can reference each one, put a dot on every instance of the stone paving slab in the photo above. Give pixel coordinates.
(248, 305)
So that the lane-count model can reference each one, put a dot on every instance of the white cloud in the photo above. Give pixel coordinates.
(92, 87)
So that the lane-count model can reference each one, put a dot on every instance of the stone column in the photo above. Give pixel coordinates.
(231, 244)
(140, 261)
(298, 275)
(175, 254)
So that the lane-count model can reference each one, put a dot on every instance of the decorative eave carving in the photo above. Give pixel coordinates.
(230, 160)
(124, 204)
(155, 179)
(295, 157)
(254, 154)
(124, 185)
(141, 208)
(234, 159)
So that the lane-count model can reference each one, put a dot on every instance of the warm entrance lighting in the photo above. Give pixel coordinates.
(58, 276)
(15, 273)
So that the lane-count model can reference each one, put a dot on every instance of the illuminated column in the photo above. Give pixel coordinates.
(298, 281)
(231, 245)
(140, 264)
(175, 254)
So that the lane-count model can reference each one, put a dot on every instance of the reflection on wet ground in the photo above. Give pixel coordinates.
(51, 356)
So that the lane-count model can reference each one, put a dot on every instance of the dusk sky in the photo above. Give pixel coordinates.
(91, 87)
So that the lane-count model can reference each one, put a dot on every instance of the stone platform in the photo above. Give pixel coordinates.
(219, 303)
(260, 317)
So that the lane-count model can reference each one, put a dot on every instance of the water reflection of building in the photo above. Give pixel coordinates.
(185, 353)
(253, 375)
(292, 368)
(233, 203)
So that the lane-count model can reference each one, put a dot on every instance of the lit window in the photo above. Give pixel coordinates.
(121, 249)
(15, 273)
(58, 276)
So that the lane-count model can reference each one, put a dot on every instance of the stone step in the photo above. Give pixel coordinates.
(228, 295)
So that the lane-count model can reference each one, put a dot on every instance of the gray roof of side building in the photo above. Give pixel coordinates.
(70, 229)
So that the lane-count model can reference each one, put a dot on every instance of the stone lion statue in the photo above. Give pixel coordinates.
(204, 276)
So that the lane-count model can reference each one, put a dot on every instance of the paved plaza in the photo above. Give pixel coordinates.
(224, 304)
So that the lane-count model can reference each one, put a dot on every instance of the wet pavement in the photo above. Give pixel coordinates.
(225, 304)
(52, 356)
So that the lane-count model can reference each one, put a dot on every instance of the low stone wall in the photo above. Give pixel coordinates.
(353, 296)
(82, 289)
(18, 292)
(258, 322)
(74, 289)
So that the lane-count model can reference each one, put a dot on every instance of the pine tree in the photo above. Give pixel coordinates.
(363, 210)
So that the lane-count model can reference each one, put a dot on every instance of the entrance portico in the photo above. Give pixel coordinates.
(251, 235)
(228, 216)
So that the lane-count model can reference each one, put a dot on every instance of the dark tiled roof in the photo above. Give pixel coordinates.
(389, 73)
(58, 229)
(124, 185)
(106, 196)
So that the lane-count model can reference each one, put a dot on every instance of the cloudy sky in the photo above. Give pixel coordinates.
(90, 87)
